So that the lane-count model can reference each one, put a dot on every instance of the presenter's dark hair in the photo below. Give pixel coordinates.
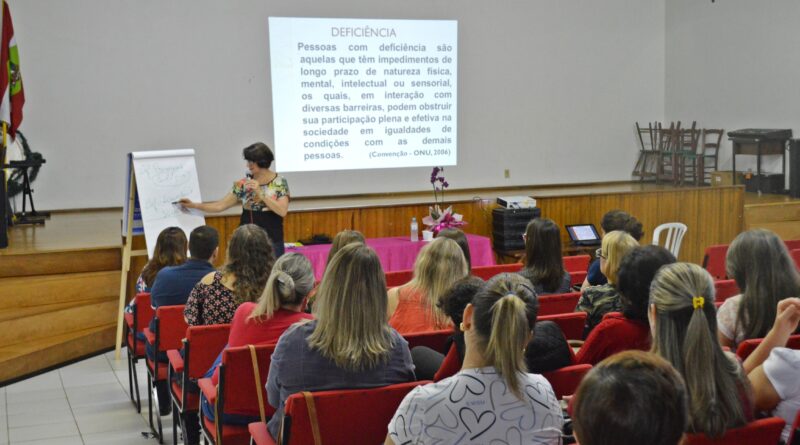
(622, 220)
(633, 395)
(202, 242)
(259, 153)
(459, 237)
(636, 272)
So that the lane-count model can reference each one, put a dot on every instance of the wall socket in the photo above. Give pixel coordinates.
(506, 173)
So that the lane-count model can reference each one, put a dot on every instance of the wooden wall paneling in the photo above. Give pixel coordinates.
(46, 263)
(46, 324)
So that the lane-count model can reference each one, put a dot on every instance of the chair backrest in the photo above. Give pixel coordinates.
(576, 263)
(674, 236)
(558, 303)
(711, 140)
(571, 324)
(577, 277)
(171, 327)
(142, 312)
(714, 261)
(486, 272)
(202, 346)
(435, 340)
(236, 393)
(761, 432)
(747, 347)
(369, 412)
(565, 381)
(725, 289)
(794, 435)
(398, 277)
(792, 244)
(796, 257)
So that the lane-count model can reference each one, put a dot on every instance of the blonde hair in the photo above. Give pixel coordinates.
(615, 246)
(290, 282)
(342, 239)
(352, 327)
(439, 264)
(504, 313)
(685, 334)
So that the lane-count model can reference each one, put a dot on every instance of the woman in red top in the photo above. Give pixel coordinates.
(630, 329)
(279, 307)
(413, 307)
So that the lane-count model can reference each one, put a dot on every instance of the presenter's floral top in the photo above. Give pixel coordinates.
(275, 189)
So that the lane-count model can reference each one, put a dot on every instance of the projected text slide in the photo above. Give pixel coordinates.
(355, 93)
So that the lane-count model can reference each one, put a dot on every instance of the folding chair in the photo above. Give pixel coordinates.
(137, 321)
(714, 261)
(761, 432)
(237, 393)
(373, 408)
(747, 347)
(169, 329)
(201, 347)
(725, 289)
(558, 303)
(565, 381)
(398, 278)
(571, 324)
(487, 272)
(435, 340)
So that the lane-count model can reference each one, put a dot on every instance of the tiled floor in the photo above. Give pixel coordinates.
(85, 403)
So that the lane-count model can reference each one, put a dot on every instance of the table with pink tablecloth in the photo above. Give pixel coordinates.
(397, 253)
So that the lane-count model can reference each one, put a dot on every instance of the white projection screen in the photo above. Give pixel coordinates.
(363, 94)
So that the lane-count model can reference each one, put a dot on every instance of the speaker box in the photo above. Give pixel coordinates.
(794, 168)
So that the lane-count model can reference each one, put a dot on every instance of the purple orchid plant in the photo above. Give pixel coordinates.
(438, 219)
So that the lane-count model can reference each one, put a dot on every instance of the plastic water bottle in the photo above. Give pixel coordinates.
(414, 230)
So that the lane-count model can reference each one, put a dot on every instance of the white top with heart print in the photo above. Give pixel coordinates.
(475, 407)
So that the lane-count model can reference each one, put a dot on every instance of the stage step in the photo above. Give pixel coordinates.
(30, 357)
(781, 216)
(30, 264)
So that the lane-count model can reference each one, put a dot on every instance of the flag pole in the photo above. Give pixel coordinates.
(3, 190)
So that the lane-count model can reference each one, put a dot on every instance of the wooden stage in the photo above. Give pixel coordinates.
(60, 282)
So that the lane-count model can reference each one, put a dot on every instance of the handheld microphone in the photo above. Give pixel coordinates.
(249, 175)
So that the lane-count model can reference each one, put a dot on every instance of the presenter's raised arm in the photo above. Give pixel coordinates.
(221, 205)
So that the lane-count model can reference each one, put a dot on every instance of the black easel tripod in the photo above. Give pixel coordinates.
(25, 217)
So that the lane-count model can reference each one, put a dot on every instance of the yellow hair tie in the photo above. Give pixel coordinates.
(698, 302)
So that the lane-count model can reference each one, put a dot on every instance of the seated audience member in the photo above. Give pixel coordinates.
(493, 398)
(413, 306)
(765, 272)
(279, 307)
(544, 266)
(349, 345)
(597, 301)
(683, 324)
(774, 370)
(630, 329)
(170, 250)
(631, 398)
(173, 284)
(612, 220)
(341, 239)
(248, 265)
(459, 237)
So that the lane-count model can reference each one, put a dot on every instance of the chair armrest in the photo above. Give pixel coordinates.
(208, 389)
(175, 360)
(260, 434)
(150, 336)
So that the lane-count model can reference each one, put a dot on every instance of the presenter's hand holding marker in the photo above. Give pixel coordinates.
(185, 204)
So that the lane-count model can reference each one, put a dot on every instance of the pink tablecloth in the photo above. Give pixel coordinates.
(397, 253)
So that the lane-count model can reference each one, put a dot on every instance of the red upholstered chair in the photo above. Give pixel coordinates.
(796, 257)
(373, 408)
(398, 278)
(725, 289)
(747, 347)
(136, 321)
(486, 272)
(792, 244)
(236, 394)
(201, 347)
(761, 432)
(435, 340)
(450, 365)
(170, 328)
(558, 303)
(571, 324)
(794, 434)
(577, 277)
(714, 261)
(576, 263)
(565, 381)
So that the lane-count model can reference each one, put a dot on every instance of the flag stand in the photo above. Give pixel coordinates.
(4, 204)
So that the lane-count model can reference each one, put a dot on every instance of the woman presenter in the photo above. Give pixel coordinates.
(264, 196)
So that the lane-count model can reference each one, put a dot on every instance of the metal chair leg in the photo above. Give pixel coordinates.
(175, 424)
(138, 402)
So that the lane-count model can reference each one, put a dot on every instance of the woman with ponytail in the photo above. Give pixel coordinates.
(492, 398)
(280, 306)
(684, 325)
